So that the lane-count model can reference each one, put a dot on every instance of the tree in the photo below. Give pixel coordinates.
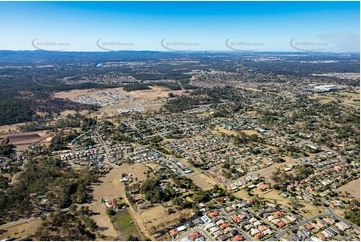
(7, 149)
(109, 211)
(73, 208)
(132, 238)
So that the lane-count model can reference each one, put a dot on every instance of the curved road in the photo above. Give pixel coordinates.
(185, 235)
(280, 234)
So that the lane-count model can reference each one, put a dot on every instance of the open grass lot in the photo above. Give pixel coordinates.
(307, 209)
(122, 222)
(310, 210)
(158, 217)
(156, 96)
(9, 128)
(202, 181)
(267, 172)
(346, 97)
(352, 187)
(110, 187)
(323, 98)
(22, 230)
(250, 88)
(339, 211)
(273, 195)
(219, 129)
(243, 194)
(103, 220)
(73, 112)
(250, 132)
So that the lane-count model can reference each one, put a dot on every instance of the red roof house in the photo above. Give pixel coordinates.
(281, 224)
(139, 197)
(173, 232)
(310, 227)
(111, 204)
(238, 238)
(223, 226)
(262, 228)
(237, 219)
(214, 213)
(194, 236)
(259, 235)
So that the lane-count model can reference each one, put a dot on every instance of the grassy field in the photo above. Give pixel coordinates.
(347, 97)
(6, 129)
(110, 187)
(202, 181)
(123, 223)
(352, 187)
(267, 171)
(159, 217)
(219, 129)
(250, 132)
(250, 88)
(22, 230)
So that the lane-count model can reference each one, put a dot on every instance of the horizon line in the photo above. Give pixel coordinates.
(183, 51)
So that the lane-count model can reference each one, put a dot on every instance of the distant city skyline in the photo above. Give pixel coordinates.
(181, 26)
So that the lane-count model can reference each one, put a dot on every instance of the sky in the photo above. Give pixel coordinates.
(181, 26)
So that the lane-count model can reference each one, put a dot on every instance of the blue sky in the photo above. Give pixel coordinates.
(263, 26)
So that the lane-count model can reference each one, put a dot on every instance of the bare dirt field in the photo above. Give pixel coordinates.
(103, 220)
(250, 88)
(148, 99)
(73, 112)
(157, 95)
(80, 92)
(250, 132)
(202, 181)
(346, 97)
(242, 194)
(219, 129)
(267, 172)
(352, 187)
(25, 138)
(10, 128)
(158, 215)
(110, 188)
(22, 230)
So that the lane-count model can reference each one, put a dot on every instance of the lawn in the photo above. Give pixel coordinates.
(124, 224)
(352, 98)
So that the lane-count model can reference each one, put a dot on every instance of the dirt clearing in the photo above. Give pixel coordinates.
(158, 217)
(202, 181)
(26, 138)
(22, 230)
(111, 188)
(9, 128)
(152, 99)
(267, 172)
(352, 187)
